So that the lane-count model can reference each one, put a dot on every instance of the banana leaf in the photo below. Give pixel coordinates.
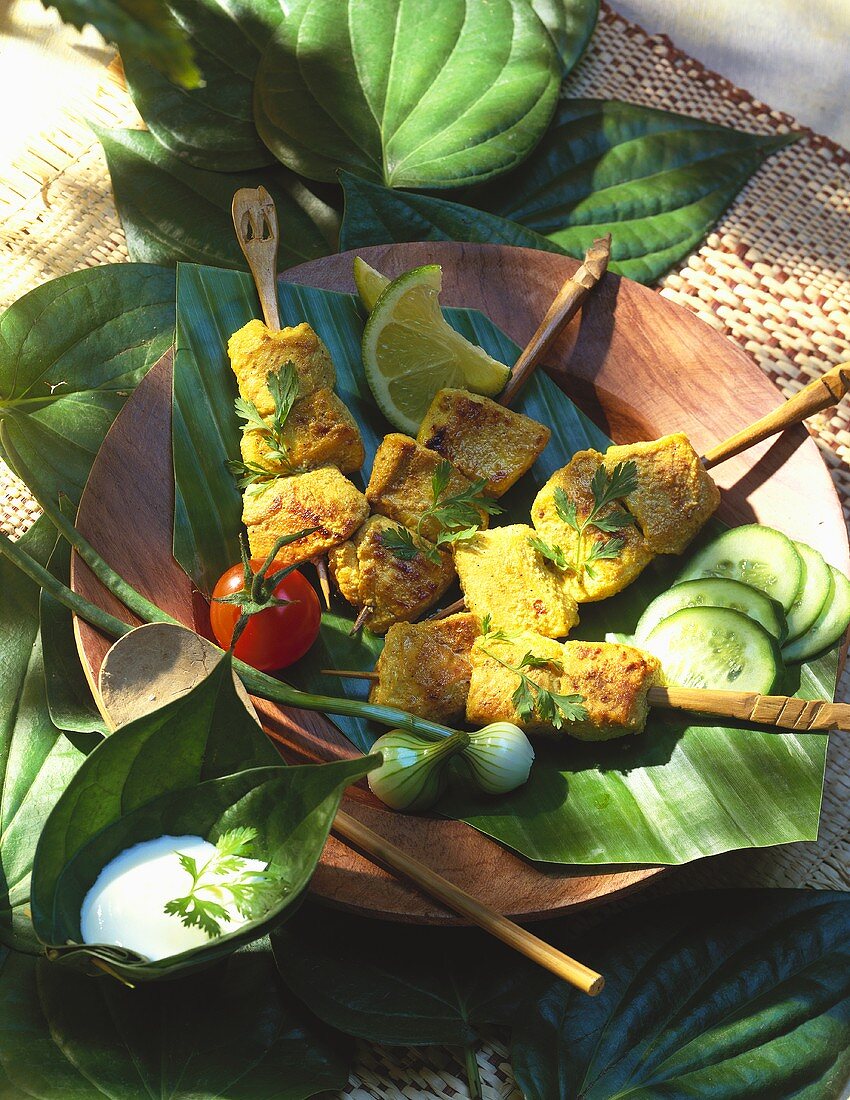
(197, 766)
(678, 792)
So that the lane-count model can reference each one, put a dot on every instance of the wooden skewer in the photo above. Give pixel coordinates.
(362, 616)
(818, 395)
(783, 711)
(521, 940)
(452, 609)
(562, 310)
(255, 222)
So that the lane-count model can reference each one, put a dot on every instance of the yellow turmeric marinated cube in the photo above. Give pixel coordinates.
(322, 498)
(675, 494)
(393, 589)
(255, 352)
(481, 438)
(606, 575)
(425, 667)
(400, 487)
(612, 681)
(319, 431)
(502, 575)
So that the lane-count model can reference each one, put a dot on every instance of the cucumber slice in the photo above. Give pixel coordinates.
(811, 599)
(715, 647)
(714, 592)
(756, 555)
(828, 627)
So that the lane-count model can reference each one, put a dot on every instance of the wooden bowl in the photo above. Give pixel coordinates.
(638, 365)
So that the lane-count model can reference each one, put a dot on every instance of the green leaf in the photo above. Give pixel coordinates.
(199, 765)
(400, 984)
(585, 803)
(728, 994)
(145, 26)
(230, 1032)
(407, 94)
(71, 351)
(170, 211)
(657, 181)
(210, 126)
(36, 759)
(570, 24)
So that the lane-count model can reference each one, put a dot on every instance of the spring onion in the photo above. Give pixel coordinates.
(413, 773)
(499, 756)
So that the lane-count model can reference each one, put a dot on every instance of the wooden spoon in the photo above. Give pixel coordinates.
(178, 659)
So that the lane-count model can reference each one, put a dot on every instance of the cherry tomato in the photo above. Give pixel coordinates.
(276, 637)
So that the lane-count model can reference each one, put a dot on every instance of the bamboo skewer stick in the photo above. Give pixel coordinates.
(521, 940)
(783, 711)
(562, 310)
(255, 222)
(818, 395)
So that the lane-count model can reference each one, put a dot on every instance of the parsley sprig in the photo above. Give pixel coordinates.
(457, 516)
(531, 698)
(606, 489)
(283, 386)
(224, 880)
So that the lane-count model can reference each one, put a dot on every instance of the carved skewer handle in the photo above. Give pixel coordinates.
(783, 711)
(818, 395)
(255, 220)
(565, 306)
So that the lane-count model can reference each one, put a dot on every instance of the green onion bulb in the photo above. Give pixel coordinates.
(499, 756)
(413, 773)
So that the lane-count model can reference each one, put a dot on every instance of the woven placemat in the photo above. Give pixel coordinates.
(773, 276)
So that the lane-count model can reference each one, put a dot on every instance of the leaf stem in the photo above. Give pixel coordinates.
(473, 1074)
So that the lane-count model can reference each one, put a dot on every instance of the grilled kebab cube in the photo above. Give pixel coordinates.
(609, 575)
(369, 575)
(400, 485)
(255, 352)
(675, 494)
(322, 498)
(613, 680)
(502, 575)
(481, 438)
(425, 667)
(319, 431)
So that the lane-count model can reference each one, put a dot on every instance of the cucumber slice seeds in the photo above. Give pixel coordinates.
(714, 592)
(715, 647)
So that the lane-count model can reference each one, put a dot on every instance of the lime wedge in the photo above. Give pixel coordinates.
(369, 282)
(410, 351)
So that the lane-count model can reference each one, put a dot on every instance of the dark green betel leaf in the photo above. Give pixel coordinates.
(199, 765)
(230, 1032)
(211, 126)
(171, 211)
(657, 181)
(71, 351)
(670, 795)
(399, 984)
(146, 26)
(728, 994)
(408, 94)
(570, 24)
(36, 759)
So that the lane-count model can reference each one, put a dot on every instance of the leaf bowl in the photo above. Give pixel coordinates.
(596, 820)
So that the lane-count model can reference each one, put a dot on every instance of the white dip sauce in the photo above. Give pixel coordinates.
(125, 906)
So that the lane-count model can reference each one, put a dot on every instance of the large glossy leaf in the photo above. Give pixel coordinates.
(675, 793)
(70, 353)
(398, 984)
(171, 211)
(408, 94)
(199, 765)
(570, 24)
(730, 994)
(36, 759)
(657, 181)
(232, 1032)
(146, 26)
(211, 126)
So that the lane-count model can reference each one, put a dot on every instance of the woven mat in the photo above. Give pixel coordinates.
(773, 276)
